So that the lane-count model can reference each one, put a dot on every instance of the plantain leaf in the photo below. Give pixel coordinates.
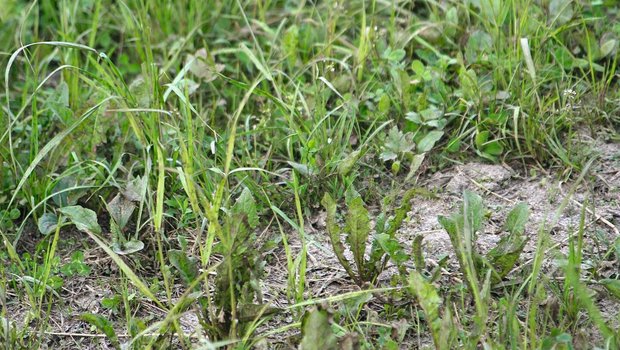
(120, 209)
(84, 219)
(47, 223)
(317, 332)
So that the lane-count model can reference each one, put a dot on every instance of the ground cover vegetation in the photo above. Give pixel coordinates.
(362, 174)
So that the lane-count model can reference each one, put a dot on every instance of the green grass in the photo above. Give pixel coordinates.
(189, 141)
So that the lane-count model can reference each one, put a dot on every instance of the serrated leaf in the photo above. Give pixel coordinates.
(317, 331)
(104, 326)
(357, 228)
(334, 233)
(120, 209)
(84, 219)
(246, 205)
(47, 223)
(428, 141)
(187, 266)
(416, 253)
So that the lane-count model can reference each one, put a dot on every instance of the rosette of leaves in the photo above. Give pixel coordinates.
(237, 285)
(357, 230)
(121, 208)
(463, 227)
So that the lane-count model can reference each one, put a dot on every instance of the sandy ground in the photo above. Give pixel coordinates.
(501, 188)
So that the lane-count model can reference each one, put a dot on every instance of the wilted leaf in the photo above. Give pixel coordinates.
(104, 326)
(84, 219)
(47, 223)
(200, 67)
(416, 162)
(250, 312)
(317, 332)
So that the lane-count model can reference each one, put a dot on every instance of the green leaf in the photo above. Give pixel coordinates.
(129, 247)
(395, 55)
(612, 286)
(396, 143)
(317, 332)
(84, 219)
(393, 248)
(473, 210)
(334, 233)
(608, 45)
(303, 169)
(517, 218)
(430, 302)
(187, 266)
(104, 326)
(246, 205)
(429, 140)
(505, 254)
(120, 209)
(347, 164)
(48, 223)
(416, 252)
(560, 11)
(357, 228)
(257, 63)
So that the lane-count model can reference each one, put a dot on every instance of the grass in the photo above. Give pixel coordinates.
(191, 144)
